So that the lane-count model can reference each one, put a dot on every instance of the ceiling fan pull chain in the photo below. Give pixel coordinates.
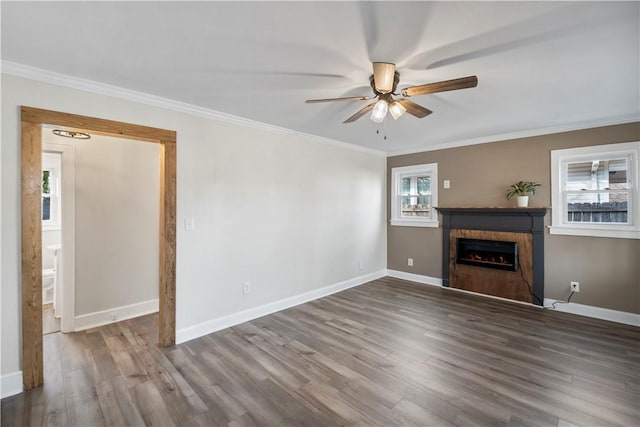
(384, 129)
(384, 124)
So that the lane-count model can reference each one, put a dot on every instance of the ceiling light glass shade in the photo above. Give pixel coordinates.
(396, 109)
(71, 134)
(379, 111)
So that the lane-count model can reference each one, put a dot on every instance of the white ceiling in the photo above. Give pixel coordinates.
(541, 66)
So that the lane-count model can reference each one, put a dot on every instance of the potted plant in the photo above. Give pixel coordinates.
(523, 189)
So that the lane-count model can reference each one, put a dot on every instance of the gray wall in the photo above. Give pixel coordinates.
(608, 269)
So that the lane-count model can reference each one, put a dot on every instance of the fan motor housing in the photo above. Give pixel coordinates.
(396, 79)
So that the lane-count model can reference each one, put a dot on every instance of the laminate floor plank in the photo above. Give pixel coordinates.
(386, 353)
(152, 407)
(222, 408)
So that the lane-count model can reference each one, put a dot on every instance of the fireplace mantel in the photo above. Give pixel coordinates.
(515, 220)
(522, 220)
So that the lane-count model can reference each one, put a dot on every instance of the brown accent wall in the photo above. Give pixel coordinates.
(608, 269)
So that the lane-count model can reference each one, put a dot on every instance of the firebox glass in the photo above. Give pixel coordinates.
(495, 254)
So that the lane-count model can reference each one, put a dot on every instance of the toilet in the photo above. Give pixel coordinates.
(48, 284)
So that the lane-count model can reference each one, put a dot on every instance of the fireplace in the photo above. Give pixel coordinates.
(487, 253)
(494, 251)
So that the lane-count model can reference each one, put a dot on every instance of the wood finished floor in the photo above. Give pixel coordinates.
(386, 353)
(50, 324)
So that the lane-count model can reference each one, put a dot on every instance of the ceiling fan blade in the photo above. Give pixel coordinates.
(383, 75)
(461, 83)
(348, 98)
(414, 109)
(360, 113)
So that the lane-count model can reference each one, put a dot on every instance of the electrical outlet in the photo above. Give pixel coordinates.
(575, 286)
(246, 287)
(410, 262)
(360, 265)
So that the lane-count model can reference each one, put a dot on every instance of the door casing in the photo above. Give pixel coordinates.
(32, 120)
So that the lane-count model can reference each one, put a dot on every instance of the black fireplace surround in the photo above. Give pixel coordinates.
(517, 220)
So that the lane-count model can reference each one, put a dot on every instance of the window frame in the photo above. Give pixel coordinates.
(559, 160)
(397, 174)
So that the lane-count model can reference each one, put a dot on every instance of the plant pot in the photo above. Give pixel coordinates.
(523, 201)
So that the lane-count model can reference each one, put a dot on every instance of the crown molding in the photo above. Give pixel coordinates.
(51, 77)
(566, 127)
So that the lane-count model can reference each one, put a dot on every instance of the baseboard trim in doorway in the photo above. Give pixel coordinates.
(11, 384)
(201, 329)
(116, 314)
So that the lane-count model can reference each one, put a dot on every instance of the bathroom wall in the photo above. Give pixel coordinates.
(117, 198)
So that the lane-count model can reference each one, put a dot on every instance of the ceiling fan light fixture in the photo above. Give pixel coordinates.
(384, 82)
(379, 111)
(396, 109)
(71, 134)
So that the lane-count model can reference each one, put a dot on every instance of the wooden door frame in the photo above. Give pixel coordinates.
(32, 120)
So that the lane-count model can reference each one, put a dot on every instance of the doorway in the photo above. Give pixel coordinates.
(52, 215)
(32, 120)
(61, 211)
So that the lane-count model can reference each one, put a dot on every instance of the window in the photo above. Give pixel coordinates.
(46, 195)
(51, 165)
(595, 191)
(414, 193)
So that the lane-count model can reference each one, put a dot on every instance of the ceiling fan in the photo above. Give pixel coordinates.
(384, 82)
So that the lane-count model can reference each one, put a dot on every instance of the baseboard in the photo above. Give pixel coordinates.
(464, 291)
(217, 324)
(11, 384)
(580, 309)
(425, 280)
(105, 317)
(595, 312)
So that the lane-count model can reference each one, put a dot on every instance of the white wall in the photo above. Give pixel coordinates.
(117, 198)
(290, 214)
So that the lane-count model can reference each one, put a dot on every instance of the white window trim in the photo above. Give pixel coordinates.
(559, 225)
(396, 220)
